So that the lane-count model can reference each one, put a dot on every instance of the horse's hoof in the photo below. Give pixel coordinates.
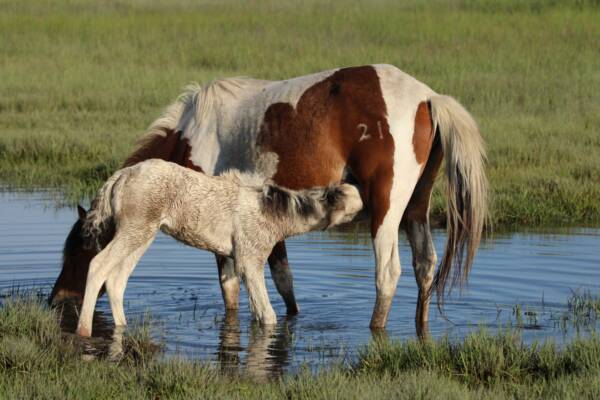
(293, 310)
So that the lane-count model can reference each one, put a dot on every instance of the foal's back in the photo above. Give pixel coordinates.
(190, 206)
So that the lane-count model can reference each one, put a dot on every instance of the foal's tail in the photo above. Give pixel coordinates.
(99, 221)
(466, 189)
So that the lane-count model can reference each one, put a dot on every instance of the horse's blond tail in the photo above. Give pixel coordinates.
(466, 189)
(100, 219)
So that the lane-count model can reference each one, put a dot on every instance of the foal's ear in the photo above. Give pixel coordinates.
(81, 212)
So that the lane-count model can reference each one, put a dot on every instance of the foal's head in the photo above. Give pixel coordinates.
(312, 209)
(77, 254)
(343, 203)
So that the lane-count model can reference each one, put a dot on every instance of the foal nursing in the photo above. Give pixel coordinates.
(236, 214)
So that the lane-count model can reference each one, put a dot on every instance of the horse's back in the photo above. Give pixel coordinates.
(307, 127)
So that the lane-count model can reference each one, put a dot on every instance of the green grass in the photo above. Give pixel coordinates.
(81, 80)
(37, 360)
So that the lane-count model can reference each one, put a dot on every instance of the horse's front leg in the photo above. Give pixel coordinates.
(282, 276)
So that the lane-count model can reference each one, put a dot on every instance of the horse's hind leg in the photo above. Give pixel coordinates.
(424, 260)
(117, 282)
(229, 281)
(282, 276)
(416, 224)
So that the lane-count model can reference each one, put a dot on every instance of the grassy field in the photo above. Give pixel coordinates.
(81, 80)
(38, 361)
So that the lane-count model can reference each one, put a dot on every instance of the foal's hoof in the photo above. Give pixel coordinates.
(269, 319)
(83, 332)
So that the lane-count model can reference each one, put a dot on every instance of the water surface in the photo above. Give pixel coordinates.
(334, 283)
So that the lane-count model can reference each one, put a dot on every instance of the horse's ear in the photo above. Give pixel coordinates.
(81, 212)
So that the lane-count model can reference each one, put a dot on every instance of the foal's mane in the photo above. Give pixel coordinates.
(280, 201)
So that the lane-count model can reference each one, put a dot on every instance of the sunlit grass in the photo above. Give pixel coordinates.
(81, 80)
(37, 360)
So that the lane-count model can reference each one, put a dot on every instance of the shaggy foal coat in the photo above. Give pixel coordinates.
(236, 215)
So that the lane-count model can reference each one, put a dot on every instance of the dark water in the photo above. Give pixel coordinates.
(334, 282)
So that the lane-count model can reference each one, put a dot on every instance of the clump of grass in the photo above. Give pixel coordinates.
(485, 359)
(584, 307)
(23, 316)
(37, 361)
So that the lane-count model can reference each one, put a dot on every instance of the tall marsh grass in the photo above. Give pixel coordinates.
(37, 360)
(81, 80)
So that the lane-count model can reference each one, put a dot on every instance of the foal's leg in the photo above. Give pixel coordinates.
(280, 272)
(252, 271)
(100, 269)
(229, 281)
(282, 276)
(117, 281)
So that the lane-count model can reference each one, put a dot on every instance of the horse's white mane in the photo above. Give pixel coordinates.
(201, 103)
(197, 102)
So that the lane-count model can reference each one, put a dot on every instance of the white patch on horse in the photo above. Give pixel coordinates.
(364, 135)
(222, 119)
(379, 129)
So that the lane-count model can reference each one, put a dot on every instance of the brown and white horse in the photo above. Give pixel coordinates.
(374, 125)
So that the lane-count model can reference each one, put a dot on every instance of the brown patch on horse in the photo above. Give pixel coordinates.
(169, 147)
(181, 155)
(338, 122)
(418, 206)
(423, 134)
(154, 146)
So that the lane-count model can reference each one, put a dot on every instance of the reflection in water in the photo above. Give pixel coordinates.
(267, 352)
(230, 344)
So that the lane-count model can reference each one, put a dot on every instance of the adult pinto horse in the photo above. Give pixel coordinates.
(374, 125)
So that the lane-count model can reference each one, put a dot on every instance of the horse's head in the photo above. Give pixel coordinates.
(70, 284)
